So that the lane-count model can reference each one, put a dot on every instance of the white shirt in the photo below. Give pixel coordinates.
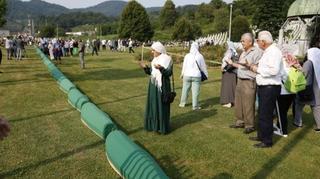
(190, 67)
(8, 44)
(270, 66)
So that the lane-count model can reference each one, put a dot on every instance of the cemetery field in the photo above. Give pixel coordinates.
(48, 139)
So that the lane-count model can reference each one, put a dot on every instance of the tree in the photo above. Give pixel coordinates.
(3, 8)
(217, 4)
(135, 23)
(244, 8)
(221, 20)
(240, 25)
(205, 13)
(183, 30)
(48, 31)
(168, 15)
(269, 15)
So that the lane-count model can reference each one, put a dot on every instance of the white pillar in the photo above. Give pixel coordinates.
(230, 22)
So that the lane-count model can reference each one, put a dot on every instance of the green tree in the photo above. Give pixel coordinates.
(217, 4)
(244, 8)
(48, 31)
(269, 15)
(221, 20)
(185, 31)
(205, 13)
(3, 9)
(168, 15)
(240, 25)
(135, 23)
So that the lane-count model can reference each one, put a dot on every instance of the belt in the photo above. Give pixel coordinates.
(268, 86)
(246, 79)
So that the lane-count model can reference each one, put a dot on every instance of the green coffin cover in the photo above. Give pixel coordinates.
(47, 62)
(51, 67)
(38, 51)
(65, 84)
(97, 120)
(57, 74)
(42, 55)
(129, 159)
(77, 99)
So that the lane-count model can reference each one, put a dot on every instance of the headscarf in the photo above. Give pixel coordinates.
(164, 60)
(191, 60)
(157, 46)
(194, 50)
(314, 56)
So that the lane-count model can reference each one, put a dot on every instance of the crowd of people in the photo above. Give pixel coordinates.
(263, 71)
(55, 49)
(255, 73)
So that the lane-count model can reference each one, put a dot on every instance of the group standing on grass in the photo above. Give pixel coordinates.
(268, 70)
(259, 71)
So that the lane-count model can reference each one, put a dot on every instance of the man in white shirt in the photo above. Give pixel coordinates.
(269, 86)
(8, 46)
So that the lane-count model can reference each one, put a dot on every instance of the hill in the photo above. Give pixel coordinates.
(108, 8)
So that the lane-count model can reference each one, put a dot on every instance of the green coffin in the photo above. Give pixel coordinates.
(51, 67)
(129, 159)
(65, 84)
(97, 120)
(57, 74)
(47, 62)
(77, 99)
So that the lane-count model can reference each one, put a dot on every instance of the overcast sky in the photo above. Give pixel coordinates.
(145, 3)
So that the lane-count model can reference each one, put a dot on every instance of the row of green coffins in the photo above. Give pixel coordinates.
(126, 158)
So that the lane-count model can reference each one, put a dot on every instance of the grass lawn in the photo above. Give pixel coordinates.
(48, 139)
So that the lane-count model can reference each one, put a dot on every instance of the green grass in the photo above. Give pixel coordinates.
(48, 139)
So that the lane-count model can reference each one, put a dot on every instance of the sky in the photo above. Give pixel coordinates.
(146, 3)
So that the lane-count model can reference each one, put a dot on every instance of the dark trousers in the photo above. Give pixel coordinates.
(94, 51)
(267, 96)
(284, 102)
(131, 50)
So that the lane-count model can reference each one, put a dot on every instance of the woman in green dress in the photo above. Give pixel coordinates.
(157, 115)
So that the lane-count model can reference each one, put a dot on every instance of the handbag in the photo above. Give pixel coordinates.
(168, 97)
(203, 75)
(229, 68)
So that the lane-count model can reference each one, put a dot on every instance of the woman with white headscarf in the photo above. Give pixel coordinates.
(157, 113)
(191, 76)
(229, 77)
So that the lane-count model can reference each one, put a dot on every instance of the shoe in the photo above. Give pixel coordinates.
(229, 105)
(236, 126)
(317, 130)
(182, 105)
(248, 130)
(254, 139)
(262, 145)
(279, 133)
(197, 108)
(297, 125)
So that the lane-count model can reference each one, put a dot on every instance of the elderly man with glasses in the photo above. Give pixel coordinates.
(245, 94)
